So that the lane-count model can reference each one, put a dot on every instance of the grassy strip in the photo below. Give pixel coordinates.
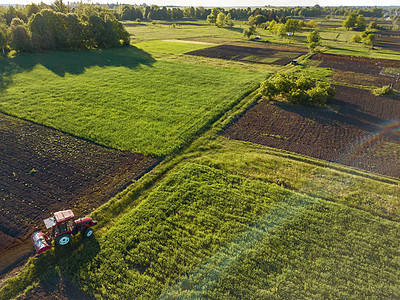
(170, 46)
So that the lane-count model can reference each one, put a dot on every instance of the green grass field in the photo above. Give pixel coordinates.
(212, 234)
(122, 98)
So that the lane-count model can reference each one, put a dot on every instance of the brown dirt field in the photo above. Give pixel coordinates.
(388, 42)
(345, 133)
(240, 51)
(388, 32)
(364, 79)
(356, 64)
(44, 170)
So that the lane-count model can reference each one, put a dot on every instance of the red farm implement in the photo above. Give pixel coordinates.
(61, 227)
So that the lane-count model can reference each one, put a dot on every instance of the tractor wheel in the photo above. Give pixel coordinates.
(63, 240)
(88, 232)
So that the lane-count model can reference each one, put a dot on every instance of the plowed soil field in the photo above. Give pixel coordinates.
(355, 64)
(388, 42)
(261, 54)
(354, 131)
(365, 79)
(44, 170)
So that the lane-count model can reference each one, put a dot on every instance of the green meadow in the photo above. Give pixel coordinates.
(122, 98)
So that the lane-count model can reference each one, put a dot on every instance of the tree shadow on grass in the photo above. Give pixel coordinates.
(236, 29)
(73, 62)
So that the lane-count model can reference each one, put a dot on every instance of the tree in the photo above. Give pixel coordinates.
(59, 6)
(220, 21)
(20, 38)
(360, 23)
(4, 36)
(350, 22)
(356, 38)
(189, 12)
(292, 25)
(279, 29)
(228, 20)
(370, 39)
(212, 17)
(249, 32)
(314, 39)
(257, 20)
(373, 25)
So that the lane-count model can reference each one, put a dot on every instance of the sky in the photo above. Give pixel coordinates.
(232, 3)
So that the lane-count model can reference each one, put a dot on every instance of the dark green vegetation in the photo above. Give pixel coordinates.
(105, 93)
(220, 218)
(298, 90)
(55, 29)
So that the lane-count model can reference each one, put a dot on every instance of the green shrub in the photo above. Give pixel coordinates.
(356, 38)
(385, 90)
(299, 90)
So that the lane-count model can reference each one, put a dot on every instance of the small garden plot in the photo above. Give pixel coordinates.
(44, 170)
(252, 53)
(350, 132)
(388, 42)
(356, 64)
(365, 79)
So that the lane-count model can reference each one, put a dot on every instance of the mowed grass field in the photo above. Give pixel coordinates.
(122, 98)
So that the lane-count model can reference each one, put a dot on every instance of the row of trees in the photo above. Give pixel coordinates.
(87, 27)
(130, 12)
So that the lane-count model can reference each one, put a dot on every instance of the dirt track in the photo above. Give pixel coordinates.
(44, 170)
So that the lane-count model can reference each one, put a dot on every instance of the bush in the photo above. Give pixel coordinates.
(356, 38)
(385, 90)
(299, 90)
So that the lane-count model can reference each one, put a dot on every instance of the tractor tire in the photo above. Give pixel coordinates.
(63, 240)
(88, 232)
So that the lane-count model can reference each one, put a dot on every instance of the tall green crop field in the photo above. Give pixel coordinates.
(205, 233)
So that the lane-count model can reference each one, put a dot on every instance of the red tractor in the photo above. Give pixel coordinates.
(61, 226)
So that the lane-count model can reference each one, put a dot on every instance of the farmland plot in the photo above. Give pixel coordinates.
(355, 131)
(356, 64)
(253, 53)
(130, 102)
(44, 170)
(388, 40)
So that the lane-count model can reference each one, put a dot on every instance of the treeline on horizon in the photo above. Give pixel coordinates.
(154, 12)
(43, 27)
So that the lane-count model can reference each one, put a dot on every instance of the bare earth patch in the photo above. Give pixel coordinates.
(358, 129)
(251, 52)
(44, 170)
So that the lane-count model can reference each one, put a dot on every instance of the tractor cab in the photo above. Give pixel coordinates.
(61, 223)
(61, 226)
